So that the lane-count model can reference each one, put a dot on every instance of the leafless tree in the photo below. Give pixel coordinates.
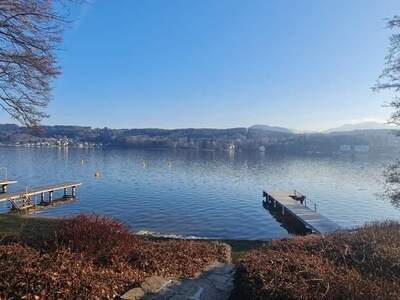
(30, 32)
(390, 77)
(390, 80)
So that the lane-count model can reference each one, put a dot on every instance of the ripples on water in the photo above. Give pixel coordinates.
(203, 194)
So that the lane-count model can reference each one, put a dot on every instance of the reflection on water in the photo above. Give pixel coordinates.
(203, 194)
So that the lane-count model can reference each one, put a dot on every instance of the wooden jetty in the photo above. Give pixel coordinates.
(4, 184)
(295, 205)
(23, 200)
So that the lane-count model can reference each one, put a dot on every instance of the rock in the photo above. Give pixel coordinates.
(154, 283)
(133, 294)
(214, 284)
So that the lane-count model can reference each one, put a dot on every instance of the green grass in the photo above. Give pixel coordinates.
(241, 247)
(18, 226)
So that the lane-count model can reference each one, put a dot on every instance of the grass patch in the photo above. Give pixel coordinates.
(241, 247)
(14, 225)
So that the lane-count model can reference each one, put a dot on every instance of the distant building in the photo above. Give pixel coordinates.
(361, 148)
(345, 148)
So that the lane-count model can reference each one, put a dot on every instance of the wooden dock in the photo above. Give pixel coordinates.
(4, 184)
(295, 205)
(25, 199)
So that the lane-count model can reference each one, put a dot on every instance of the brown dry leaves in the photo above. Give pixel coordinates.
(363, 264)
(93, 257)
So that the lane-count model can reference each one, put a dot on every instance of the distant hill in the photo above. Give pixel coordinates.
(361, 126)
(271, 128)
(257, 137)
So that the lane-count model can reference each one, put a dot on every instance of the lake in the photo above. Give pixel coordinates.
(202, 194)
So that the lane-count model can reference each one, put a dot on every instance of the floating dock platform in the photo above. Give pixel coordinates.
(295, 205)
(23, 200)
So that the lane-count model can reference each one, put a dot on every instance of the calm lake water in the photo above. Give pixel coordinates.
(202, 194)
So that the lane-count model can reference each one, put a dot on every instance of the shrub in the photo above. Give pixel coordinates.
(103, 239)
(182, 258)
(94, 257)
(25, 273)
(360, 264)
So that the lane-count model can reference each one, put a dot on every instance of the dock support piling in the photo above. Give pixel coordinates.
(4, 188)
(283, 210)
(73, 191)
(29, 197)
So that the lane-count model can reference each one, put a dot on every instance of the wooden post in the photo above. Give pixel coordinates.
(41, 198)
(315, 207)
(73, 191)
(65, 192)
(274, 203)
(283, 210)
(51, 197)
(5, 188)
(268, 200)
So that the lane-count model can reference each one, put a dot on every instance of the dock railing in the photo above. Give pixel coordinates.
(313, 204)
(298, 197)
(296, 206)
(303, 200)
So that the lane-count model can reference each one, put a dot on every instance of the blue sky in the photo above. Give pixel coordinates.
(180, 63)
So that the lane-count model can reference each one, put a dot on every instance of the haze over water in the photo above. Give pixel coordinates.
(202, 194)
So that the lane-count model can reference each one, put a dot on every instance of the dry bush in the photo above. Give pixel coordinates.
(107, 242)
(361, 264)
(373, 249)
(100, 238)
(25, 272)
(94, 257)
(176, 258)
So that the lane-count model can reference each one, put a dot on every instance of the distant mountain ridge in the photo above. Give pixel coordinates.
(361, 126)
(271, 128)
(370, 125)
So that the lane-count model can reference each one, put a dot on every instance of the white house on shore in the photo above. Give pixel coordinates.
(344, 148)
(355, 149)
(361, 148)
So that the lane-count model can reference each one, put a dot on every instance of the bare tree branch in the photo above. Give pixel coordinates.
(390, 80)
(390, 77)
(30, 31)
